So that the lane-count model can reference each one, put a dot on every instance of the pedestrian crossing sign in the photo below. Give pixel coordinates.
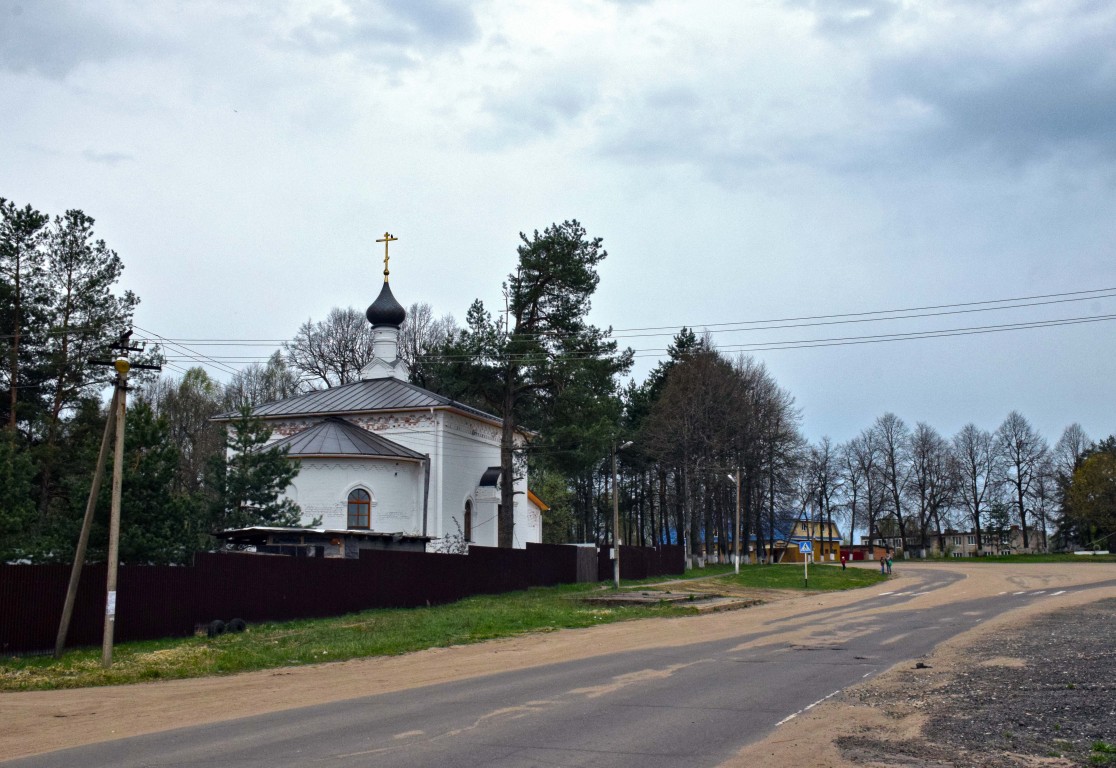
(806, 547)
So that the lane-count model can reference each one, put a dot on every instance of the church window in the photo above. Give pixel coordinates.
(360, 508)
(468, 526)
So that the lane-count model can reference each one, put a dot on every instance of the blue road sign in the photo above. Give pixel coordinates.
(806, 547)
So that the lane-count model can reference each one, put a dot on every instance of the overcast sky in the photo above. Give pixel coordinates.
(743, 161)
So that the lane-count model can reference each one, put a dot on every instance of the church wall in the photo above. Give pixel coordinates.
(469, 448)
(528, 525)
(322, 487)
(461, 449)
(528, 520)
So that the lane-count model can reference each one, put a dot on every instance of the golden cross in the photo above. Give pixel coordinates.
(386, 239)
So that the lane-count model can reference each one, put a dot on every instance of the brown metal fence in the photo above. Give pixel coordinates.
(167, 601)
(642, 562)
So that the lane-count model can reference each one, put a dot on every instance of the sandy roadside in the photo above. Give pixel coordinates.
(37, 722)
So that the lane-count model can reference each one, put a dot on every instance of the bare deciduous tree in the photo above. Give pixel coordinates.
(976, 464)
(331, 352)
(931, 485)
(893, 437)
(1022, 450)
(423, 334)
(257, 384)
(863, 462)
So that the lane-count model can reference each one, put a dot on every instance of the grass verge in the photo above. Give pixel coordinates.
(383, 632)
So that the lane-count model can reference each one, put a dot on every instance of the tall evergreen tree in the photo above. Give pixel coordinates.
(17, 507)
(22, 301)
(85, 317)
(545, 358)
(158, 525)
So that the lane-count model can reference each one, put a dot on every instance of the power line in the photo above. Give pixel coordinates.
(908, 313)
(927, 308)
(914, 335)
(186, 352)
(793, 323)
(765, 345)
(193, 355)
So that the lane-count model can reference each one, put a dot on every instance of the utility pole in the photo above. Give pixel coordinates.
(122, 366)
(615, 524)
(616, 517)
(115, 420)
(86, 524)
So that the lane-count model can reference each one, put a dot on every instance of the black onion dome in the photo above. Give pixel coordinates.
(385, 310)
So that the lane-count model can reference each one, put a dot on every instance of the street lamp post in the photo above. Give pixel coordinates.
(616, 518)
(736, 531)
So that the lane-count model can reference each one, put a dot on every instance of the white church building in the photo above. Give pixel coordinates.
(385, 463)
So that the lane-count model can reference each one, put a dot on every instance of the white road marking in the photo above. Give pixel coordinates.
(1059, 592)
(1040, 592)
(883, 594)
(808, 707)
(1019, 593)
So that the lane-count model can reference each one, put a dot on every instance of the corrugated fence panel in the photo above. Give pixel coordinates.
(152, 601)
(31, 598)
(552, 564)
(493, 570)
(168, 601)
(673, 558)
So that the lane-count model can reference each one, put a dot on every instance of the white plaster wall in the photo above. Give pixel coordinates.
(528, 521)
(322, 487)
(469, 447)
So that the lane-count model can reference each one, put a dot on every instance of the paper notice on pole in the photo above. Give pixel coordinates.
(110, 604)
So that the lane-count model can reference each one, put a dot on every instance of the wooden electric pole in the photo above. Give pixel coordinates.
(115, 423)
(86, 524)
(121, 364)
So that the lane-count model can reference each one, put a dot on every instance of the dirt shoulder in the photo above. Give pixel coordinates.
(43, 721)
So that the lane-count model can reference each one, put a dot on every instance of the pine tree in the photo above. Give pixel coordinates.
(546, 360)
(247, 487)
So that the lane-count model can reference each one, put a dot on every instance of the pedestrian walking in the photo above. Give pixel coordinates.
(883, 564)
(844, 558)
(888, 563)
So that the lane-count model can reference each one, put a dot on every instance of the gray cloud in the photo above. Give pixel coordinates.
(844, 18)
(1020, 110)
(537, 108)
(107, 158)
(51, 37)
(388, 31)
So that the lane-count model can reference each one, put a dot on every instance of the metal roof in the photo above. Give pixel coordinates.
(336, 437)
(387, 394)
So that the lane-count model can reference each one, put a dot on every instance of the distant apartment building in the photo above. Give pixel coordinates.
(953, 543)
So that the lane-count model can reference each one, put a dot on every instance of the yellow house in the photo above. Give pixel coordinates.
(825, 537)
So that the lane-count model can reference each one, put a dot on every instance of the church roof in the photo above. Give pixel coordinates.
(337, 437)
(385, 310)
(387, 394)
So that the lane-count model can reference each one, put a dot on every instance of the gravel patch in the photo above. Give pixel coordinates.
(1043, 693)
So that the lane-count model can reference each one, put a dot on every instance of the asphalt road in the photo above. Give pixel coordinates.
(690, 705)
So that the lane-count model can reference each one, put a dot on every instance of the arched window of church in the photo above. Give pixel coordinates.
(468, 526)
(360, 508)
